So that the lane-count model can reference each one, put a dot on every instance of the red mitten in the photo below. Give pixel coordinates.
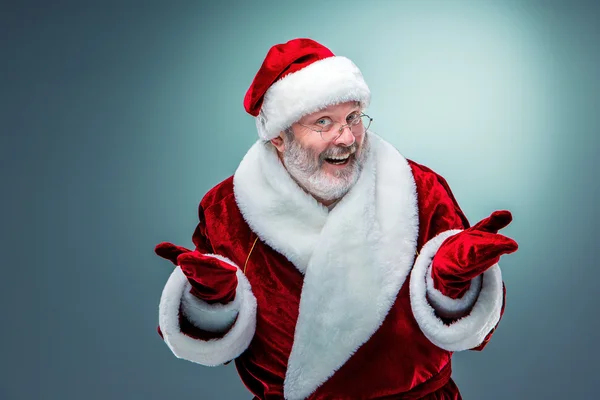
(212, 280)
(170, 251)
(470, 253)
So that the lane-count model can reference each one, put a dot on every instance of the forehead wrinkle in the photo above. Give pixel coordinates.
(327, 114)
(327, 111)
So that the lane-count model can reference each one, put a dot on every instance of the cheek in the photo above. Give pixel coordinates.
(315, 145)
(360, 140)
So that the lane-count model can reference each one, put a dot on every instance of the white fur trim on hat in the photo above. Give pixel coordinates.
(326, 82)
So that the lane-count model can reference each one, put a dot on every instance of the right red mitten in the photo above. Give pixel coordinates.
(469, 253)
(212, 280)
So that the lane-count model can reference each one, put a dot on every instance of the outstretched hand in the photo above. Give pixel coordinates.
(212, 279)
(469, 253)
(170, 251)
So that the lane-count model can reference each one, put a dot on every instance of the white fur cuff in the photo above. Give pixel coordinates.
(216, 351)
(447, 306)
(469, 331)
(210, 317)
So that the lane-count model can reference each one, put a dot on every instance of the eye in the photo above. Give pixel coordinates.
(353, 118)
(323, 122)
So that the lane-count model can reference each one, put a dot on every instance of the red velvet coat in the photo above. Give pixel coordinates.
(334, 305)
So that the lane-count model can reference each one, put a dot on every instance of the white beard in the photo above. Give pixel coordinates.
(305, 167)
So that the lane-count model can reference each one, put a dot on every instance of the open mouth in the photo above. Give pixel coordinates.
(339, 160)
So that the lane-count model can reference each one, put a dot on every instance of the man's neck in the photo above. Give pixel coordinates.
(327, 203)
(330, 206)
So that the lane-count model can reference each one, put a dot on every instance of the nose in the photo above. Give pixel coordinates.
(346, 138)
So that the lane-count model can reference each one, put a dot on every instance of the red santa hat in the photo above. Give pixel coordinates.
(297, 78)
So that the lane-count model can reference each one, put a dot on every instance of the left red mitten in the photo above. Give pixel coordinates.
(170, 251)
(212, 280)
(470, 253)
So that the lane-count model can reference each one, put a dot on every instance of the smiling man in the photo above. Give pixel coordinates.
(329, 266)
(323, 157)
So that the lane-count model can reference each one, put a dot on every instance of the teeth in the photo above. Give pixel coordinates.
(340, 158)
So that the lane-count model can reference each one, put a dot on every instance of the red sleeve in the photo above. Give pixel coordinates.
(438, 212)
(438, 209)
(200, 237)
(202, 244)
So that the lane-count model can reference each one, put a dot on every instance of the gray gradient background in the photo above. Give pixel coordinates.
(116, 118)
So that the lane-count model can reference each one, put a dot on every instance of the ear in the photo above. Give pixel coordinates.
(278, 142)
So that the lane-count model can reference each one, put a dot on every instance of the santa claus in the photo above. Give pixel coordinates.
(329, 266)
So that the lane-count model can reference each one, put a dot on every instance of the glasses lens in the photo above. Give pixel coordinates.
(356, 129)
(330, 135)
(362, 126)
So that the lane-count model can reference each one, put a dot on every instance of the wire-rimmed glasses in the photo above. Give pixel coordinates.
(357, 122)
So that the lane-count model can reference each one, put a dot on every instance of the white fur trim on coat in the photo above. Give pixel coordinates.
(211, 317)
(329, 81)
(215, 351)
(469, 331)
(447, 306)
(355, 258)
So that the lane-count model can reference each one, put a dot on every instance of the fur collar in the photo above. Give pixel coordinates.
(354, 258)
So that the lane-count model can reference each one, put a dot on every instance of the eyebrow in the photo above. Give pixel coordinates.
(356, 108)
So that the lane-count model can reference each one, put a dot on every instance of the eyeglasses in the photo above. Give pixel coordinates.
(357, 122)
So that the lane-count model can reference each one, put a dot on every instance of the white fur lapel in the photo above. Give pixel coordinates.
(276, 208)
(354, 258)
